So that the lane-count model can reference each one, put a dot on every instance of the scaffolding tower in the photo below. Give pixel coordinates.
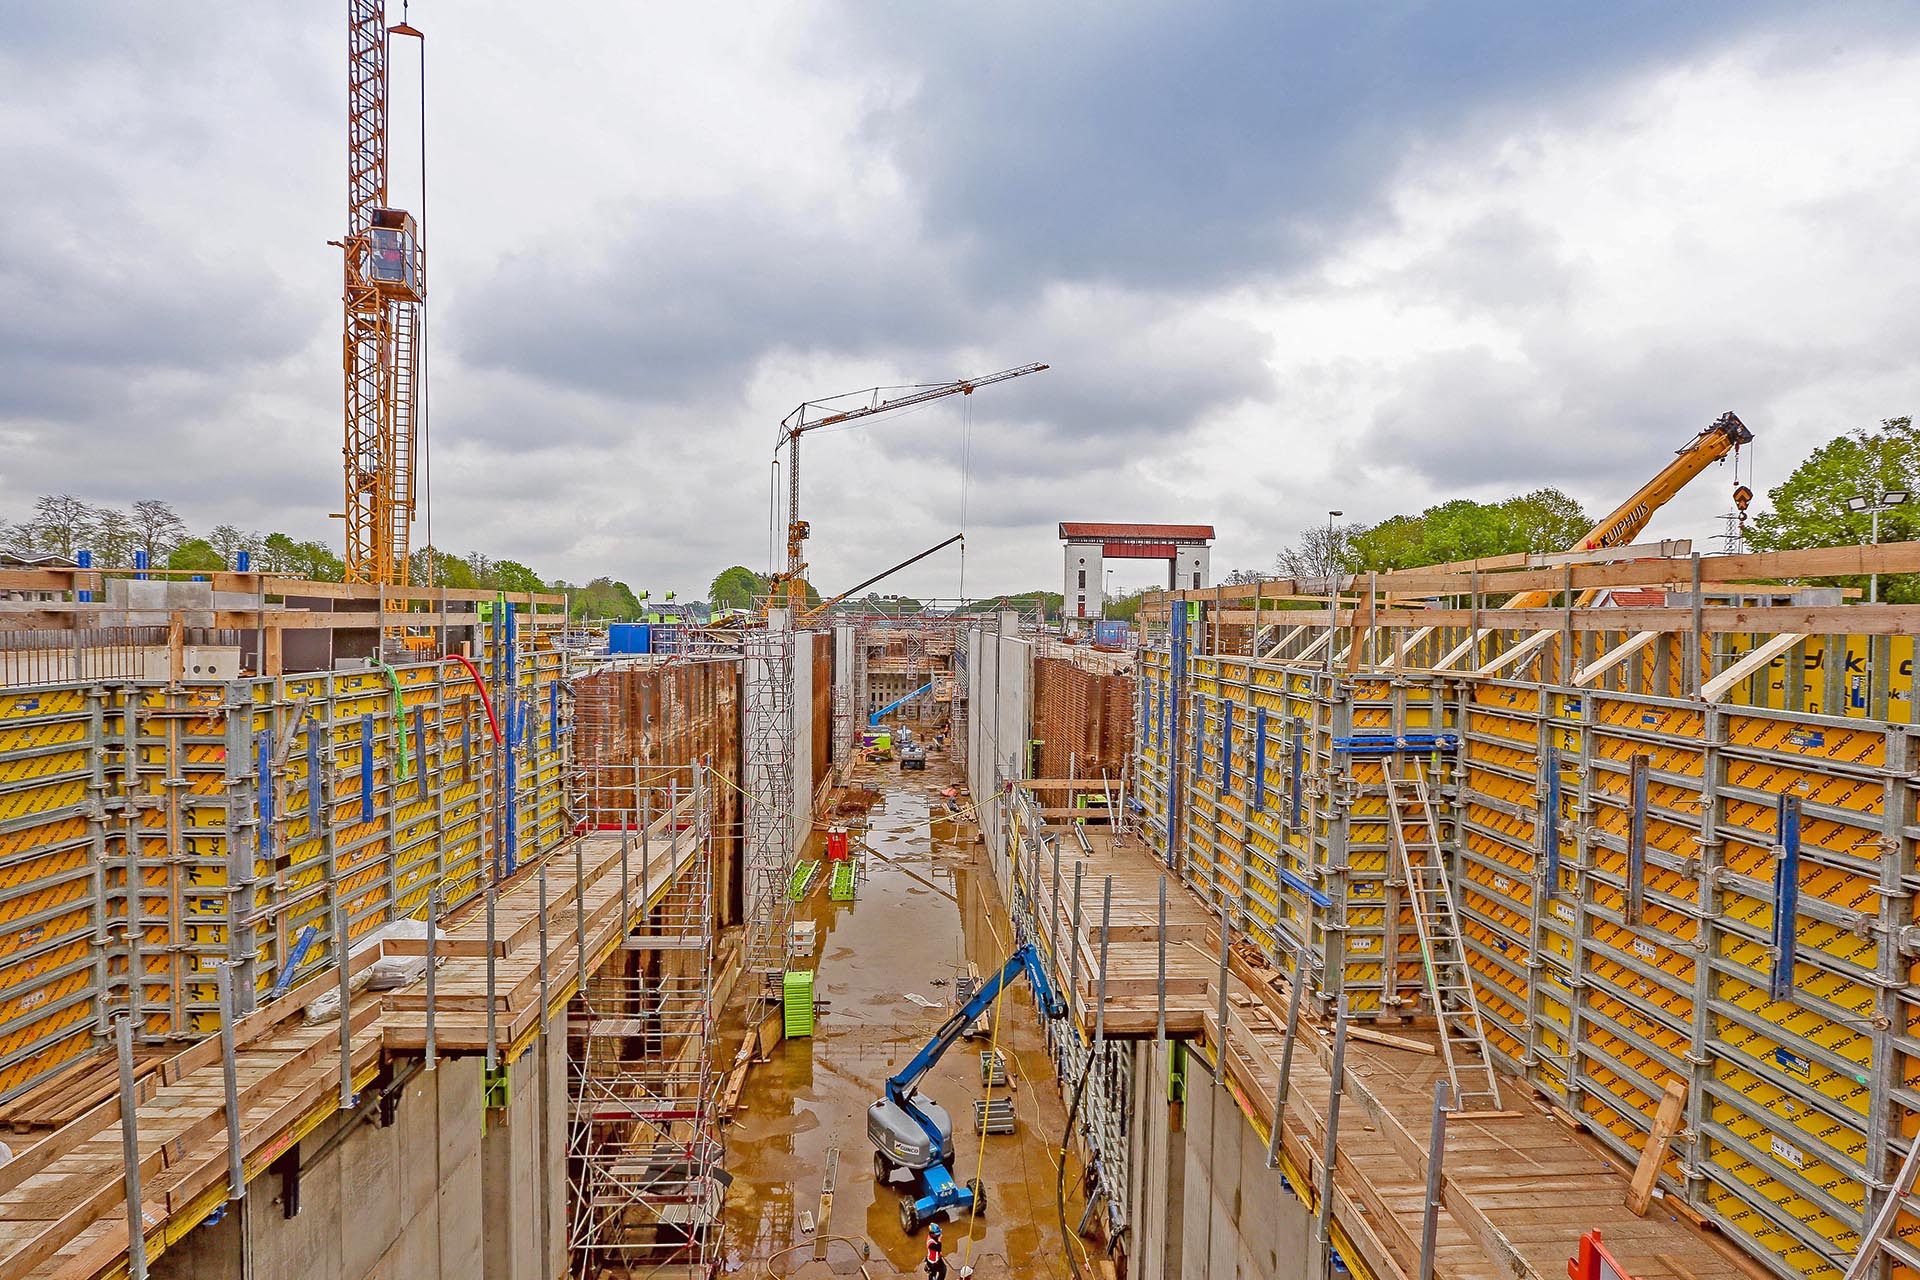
(643, 1136)
(767, 762)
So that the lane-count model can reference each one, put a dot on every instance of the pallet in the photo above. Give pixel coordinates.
(77, 1089)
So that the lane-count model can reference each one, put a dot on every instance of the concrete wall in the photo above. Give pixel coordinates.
(1239, 1220)
(999, 716)
(1158, 1168)
(802, 741)
(445, 1192)
(524, 1169)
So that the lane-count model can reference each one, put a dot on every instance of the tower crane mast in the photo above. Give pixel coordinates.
(789, 587)
(384, 299)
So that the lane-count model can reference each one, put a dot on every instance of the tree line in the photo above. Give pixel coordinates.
(1808, 509)
(1543, 520)
(63, 525)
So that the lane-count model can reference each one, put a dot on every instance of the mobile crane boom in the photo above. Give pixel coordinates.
(1724, 436)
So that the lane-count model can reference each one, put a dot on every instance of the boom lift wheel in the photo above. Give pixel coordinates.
(882, 1167)
(979, 1190)
(909, 1216)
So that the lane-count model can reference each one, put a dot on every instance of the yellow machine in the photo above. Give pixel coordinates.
(1624, 524)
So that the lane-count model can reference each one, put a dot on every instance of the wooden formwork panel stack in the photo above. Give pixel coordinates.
(1082, 720)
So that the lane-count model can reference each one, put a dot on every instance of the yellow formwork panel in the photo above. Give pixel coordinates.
(1738, 1209)
(1781, 687)
(47, 904)
(1502, 996)
(1550, 1032)
(1754, 1027)
(1775, 1157)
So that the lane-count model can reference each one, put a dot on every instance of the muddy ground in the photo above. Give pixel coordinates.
(926, 906)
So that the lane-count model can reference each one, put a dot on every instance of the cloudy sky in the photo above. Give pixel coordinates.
(1281, 257)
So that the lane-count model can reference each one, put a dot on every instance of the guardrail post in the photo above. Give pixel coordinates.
(229, 1013)
(1323, 1230)
(1436, 1151)
(130, 1152)
(433, 959)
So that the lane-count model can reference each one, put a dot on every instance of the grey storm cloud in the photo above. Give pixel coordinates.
(1115, 190)
(1568, 412)
(680, 310)
(686, 299)
(1181, 146)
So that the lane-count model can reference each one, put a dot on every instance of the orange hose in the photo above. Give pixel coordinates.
(485, 701)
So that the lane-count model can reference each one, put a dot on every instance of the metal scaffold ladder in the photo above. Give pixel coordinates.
(1463, 1038)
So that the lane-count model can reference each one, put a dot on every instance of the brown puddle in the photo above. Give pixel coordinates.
(925, 907)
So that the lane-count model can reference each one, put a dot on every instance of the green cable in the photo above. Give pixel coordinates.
(399, 719)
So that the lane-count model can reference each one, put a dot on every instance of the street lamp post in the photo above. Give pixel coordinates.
(1106, 596)
(1875, 503)
(1333, 589)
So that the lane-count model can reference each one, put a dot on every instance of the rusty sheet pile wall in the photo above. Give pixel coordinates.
(640, 729)
(1081, 718)
(1676, 858)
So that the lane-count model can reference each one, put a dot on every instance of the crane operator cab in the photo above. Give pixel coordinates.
(393, 258)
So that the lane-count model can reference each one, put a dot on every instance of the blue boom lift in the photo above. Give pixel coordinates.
(911, 1131)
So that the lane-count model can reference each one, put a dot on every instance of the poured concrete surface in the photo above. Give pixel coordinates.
(925, 907)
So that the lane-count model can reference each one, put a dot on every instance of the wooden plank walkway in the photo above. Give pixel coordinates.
(1519, 1186)
(63, 1199)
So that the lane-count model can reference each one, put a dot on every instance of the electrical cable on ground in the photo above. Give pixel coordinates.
(1060, 1174)
(766, 1268)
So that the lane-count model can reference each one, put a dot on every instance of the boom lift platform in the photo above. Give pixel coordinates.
(912, 1132)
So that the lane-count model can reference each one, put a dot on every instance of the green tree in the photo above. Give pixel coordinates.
(603, 598)
(279, 553)
(441, 569)
(1398, 542)
(1809, 509)
(316, 562)
(736, 588)
(511, 575)
(1543, 520)
(197, 555)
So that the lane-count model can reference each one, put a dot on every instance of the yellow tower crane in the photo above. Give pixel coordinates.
(385, 302)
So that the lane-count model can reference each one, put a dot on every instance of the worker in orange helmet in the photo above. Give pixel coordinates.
(936, 1265)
